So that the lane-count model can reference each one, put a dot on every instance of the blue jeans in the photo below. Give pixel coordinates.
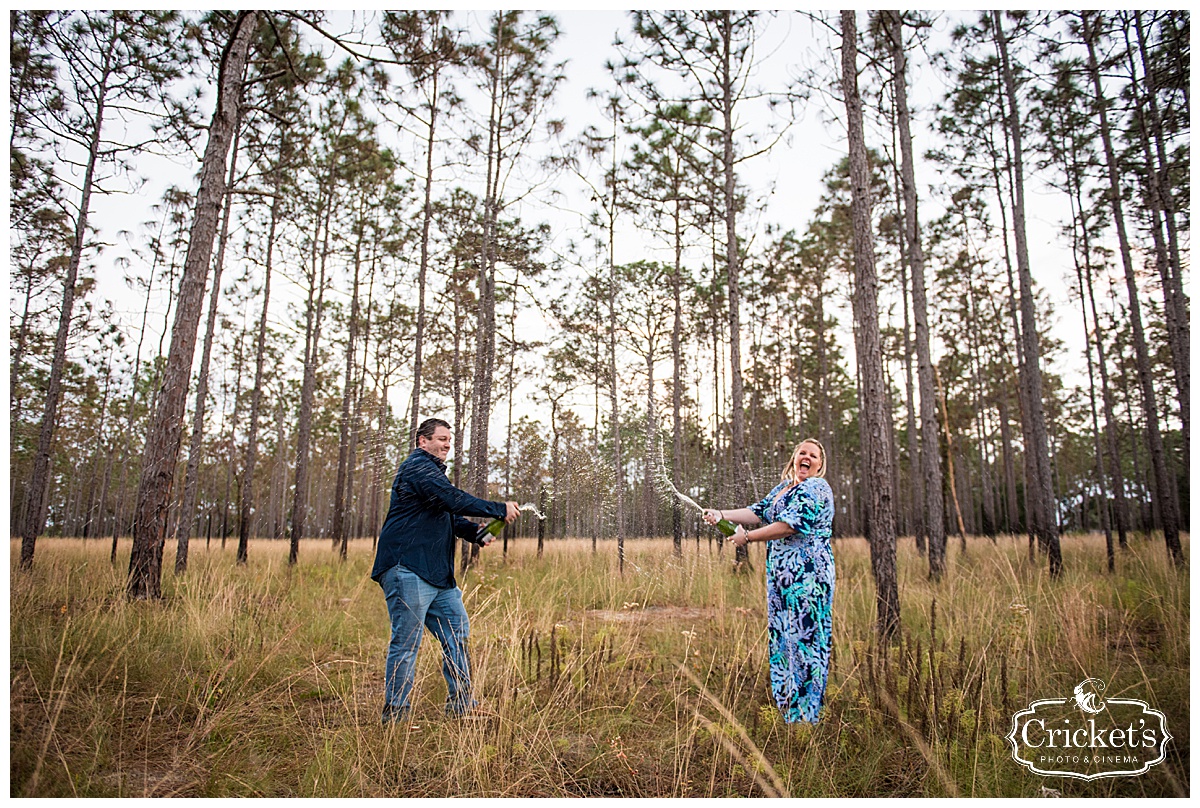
(414, 605)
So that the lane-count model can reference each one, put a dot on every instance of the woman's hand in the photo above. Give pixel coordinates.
(712, 516)
(740, 537)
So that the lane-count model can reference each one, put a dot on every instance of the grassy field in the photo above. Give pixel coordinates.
(267, 681)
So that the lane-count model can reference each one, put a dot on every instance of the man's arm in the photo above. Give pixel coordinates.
(466, 529)
(433, 485)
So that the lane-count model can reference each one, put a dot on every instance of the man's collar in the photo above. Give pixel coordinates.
(441, 463)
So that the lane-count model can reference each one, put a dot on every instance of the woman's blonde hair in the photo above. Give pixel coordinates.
(789, 471)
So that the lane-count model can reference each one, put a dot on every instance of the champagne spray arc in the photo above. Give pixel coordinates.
(668, 488)
(488, 532)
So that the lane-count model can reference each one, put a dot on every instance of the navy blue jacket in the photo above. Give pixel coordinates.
(425, 515)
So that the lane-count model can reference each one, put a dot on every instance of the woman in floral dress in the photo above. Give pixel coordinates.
(796, 520)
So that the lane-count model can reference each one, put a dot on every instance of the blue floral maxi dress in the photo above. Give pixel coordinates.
(800, 575)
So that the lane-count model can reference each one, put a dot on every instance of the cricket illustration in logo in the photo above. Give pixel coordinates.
(1088, 699)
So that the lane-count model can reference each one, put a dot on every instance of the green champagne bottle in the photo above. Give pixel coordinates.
(726, 527)
(493, 527)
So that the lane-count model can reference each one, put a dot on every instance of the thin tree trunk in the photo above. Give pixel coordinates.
(39, 478)
(1163, 480)
(485, 333)
(312, 330)
(163, 440)
(1169, 265)
(1042, 493)
(92, 478)
(677, 386)
(1084, 248)
(245, 521)
(958, 516)
(426, 219)
(512, 372)
(877, 457)
(1103, 498)
(108, 466)
(597, 500)
(187, 512)
(1110, 421)
(741, 466)
(618, 464)
(915, 508)
(931, 471)
(356, 423)
(278, 474)
(649, 522)
(456, 378)
(238, 358)
(377, 487)
(1010, 472)
(345, 457)
(18, 354)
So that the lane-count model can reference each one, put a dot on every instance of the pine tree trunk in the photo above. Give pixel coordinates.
(510, 384)
(354, 505)
(485, 331)
(1083, 272)
(14, 398)
(278, 475)
(987, 504)
(163, 440)
(94, 477)
(876, 454)
(1163, 479)
(246, 521)
(741, 466)
(426, 219)
(456, 373)
(312, 317)
(648, 522)
(1170, 272)
(191, 484)
(345, 457)
(554, 474)
(915, 508)
(1103, 498)
(39, 478)
(677, 386)
(931, 471)
(596, 384)
(1110, 420)
(1041, 485)
(1012, 517)
(618, 463)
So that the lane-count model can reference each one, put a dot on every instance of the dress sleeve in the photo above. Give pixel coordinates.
(759, 509)
(800, 509)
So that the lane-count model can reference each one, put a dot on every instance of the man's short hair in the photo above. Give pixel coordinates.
(429, 426)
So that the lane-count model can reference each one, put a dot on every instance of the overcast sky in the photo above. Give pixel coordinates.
(788, 180)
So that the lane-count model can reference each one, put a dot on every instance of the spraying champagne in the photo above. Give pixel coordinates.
(489, 532)
(668, 488)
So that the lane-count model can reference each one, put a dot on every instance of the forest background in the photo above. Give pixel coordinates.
(612, 279)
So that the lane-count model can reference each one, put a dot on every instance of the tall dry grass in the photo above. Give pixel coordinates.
(266, 680)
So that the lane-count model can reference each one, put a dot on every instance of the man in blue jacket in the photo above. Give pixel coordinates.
(414, 564)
